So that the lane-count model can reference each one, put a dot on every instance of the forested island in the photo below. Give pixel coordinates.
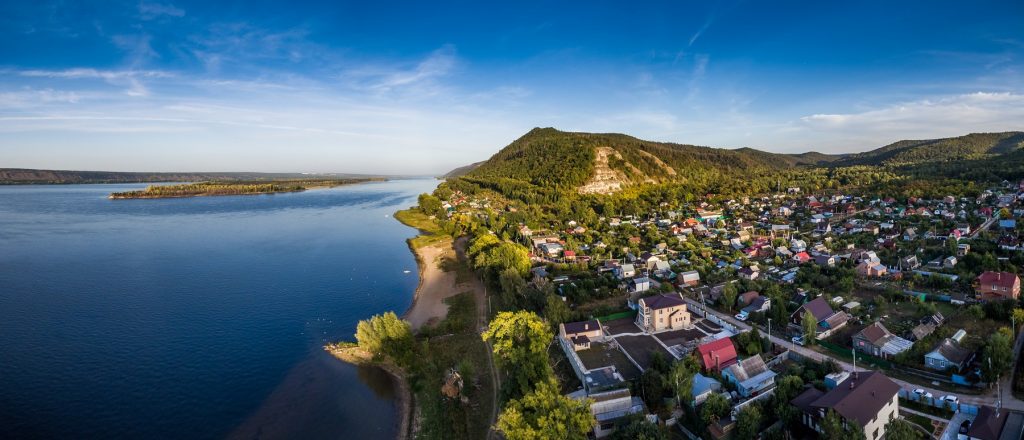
(232, 188)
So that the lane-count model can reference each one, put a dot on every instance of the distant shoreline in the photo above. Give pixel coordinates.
(233, 188)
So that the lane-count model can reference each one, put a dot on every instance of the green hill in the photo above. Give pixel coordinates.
(973, 146)
(607, 162)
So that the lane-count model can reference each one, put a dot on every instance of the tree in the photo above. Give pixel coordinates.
(520, 342)
(546, 413)
(748, 421)
(786, 388)
(681, 378)
(899, 429)
(834, 429)
(729, 294)
(385, 334)
(1000, 350)
(652, 385)
(430, 205)
(639, 428)
(1018, 318)
(714, 408)
(810, 326)
(556, 311)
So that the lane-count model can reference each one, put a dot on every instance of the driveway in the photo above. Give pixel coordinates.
(954, 425)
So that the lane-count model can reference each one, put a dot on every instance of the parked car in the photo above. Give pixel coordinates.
(742, 315)
(950, 398)
(922, 393)
(798, 340)
(964, 427)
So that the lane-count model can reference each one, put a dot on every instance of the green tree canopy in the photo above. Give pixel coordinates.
(748, 422)
(520, 341)
(385, 334)
(810, 326)
(900, 429)
(714, 408)
(546, 414)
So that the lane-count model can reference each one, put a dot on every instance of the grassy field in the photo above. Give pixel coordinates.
(430, 232)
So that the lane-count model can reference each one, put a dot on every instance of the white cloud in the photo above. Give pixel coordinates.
(921, 119)
(151, 10)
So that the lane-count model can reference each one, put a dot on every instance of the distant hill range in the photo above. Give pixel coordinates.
(602, 163)
(31, 176)
(462, 171)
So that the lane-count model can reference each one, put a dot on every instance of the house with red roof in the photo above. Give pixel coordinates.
(991, 286)
(802, 257)
(717, 355)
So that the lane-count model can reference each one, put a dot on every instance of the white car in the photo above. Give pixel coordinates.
(742, 316)
(922, 393)
(798, 340)
(950, 398)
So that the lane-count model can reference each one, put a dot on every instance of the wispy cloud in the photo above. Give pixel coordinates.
(926, 118)
(152, 10)
(703, 28)
(131, 80)
(421, 77)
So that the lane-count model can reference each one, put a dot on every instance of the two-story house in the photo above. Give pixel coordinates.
(662, 312)
(991, 286)
(867, 399)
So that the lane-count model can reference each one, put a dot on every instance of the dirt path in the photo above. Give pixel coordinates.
(483, 318)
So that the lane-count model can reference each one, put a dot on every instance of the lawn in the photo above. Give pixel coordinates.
(603, 355)
(430, 231)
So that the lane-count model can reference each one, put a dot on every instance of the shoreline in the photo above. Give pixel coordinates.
(405, 406)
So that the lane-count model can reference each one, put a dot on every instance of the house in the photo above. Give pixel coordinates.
(640, 284)
(747, 297)
(870, 270)
(876, 340)
(994, 424)
(909, 262)
(662, 312)
(717, 355)
(551, 249)
(828, 319)
(825, 260)
(949, 262)
(703, 387)
(751, 376)
(868, 399)
(610, 408)
(580, 334)
(801, 257)
(997, 285)
(569, 255)
(949, 354)
(909, 234)
(689, 278)
(760, 304)
(749, 273)
(625, 271)
(962, 250)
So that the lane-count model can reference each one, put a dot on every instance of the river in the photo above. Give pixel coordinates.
(200, 317)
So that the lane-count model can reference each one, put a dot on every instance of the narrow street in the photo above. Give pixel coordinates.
(1009, 401)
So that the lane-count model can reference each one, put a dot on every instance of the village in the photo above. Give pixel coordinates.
(801, 305)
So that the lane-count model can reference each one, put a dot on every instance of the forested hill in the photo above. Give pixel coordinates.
(591, 163)
(462, 171)
(32, 176)
(973, 146)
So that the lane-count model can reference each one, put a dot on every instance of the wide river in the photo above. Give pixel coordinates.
(197, 318)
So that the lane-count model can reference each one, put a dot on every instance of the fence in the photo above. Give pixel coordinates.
(937, 402)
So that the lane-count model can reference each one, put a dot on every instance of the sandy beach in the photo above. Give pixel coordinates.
(435, 285)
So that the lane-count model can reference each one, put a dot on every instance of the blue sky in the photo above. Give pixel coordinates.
(422, 87)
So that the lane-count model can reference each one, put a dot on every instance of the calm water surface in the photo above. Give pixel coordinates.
(196, 318)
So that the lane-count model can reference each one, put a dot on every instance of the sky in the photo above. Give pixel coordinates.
(422, 87)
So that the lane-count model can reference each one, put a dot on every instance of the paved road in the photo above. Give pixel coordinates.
(983, 227)
(989, 399)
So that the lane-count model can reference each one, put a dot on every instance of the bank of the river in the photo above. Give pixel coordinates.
(446, 308)
(351, 353)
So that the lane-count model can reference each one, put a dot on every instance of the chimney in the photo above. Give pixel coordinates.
(586, 326)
